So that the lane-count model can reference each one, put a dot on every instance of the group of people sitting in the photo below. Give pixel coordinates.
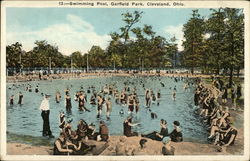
(75, 142)
(217, 118)
(175, 135)
(163, 135)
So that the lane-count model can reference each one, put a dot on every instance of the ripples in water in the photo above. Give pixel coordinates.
(26, 119)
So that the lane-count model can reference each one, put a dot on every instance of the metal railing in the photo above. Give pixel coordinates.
(10, 71)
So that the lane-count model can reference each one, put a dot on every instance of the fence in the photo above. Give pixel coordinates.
(10, 71)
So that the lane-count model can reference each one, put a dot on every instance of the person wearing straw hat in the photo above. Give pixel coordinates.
(45, 110)
(167, 148)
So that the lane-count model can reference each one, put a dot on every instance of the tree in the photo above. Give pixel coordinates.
(172, 51)
(77, 59)
(114, 50)
(215, 28)
(14, 53)
(43, 52)
(234, 40)
(130, 19)
(96, 57)
(193, 30)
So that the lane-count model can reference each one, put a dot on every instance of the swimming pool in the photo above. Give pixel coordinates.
(26, 119)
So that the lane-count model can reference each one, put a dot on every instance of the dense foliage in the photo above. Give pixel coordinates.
(215, 45)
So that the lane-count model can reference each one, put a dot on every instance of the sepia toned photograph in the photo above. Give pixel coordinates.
(116, 80)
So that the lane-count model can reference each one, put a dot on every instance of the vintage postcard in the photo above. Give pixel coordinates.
(125, 80)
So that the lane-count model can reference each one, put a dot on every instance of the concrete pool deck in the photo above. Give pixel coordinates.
(153, 147)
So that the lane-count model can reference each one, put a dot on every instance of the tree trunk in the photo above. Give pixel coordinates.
(238, 72)
(231, 77)
(218, 70)
(232, 65)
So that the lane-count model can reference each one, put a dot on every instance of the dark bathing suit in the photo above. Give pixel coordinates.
(56, 151)
(20, 99)
(128, 130)
(131, 106)
(68, 104)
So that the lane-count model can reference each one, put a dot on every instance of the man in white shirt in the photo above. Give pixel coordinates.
(44, 107)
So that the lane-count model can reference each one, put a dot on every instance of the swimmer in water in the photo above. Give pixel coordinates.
(122, 98)
(11, 100)
(121, 112)
(68, 103)
(130, 103)
(137, 105)
(20, 100)
(36, 89)
(116, 97)
(153, 97)
(152, 114)
(158, 96)
(82, 101)
(92, 100)
(99, 105)
(88, 90)
(67, 91)
(174, 95)
(185, 87)
(108, 108)
(61, 120)
(147, 98)
(58, 97)
(29, 88)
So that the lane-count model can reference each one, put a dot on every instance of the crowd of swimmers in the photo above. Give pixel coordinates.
(127, 97)
(217, 118)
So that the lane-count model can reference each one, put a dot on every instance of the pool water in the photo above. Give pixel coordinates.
(26, 119)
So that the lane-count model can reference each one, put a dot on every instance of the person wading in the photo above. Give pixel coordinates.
(20, 100)
(68, 103)
(45, 109)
